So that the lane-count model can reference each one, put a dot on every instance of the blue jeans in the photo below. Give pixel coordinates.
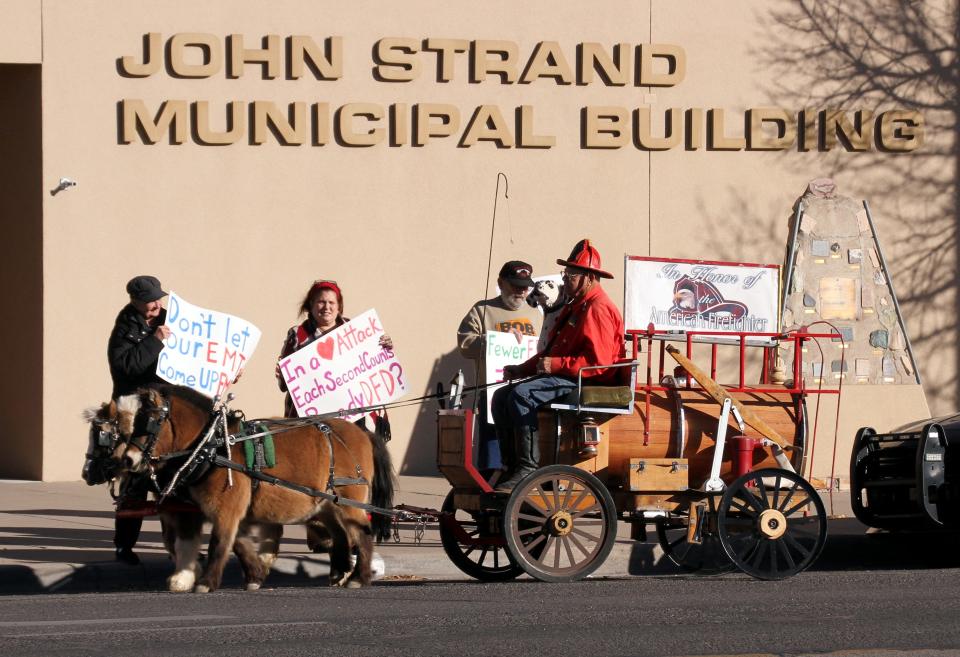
(488, 447)
(516, 405)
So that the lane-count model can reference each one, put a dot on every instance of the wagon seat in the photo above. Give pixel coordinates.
(590, 405)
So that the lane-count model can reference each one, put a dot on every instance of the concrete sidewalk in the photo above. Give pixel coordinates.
(58, 537)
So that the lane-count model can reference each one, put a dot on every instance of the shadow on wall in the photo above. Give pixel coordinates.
(420, 458)
(876, 57)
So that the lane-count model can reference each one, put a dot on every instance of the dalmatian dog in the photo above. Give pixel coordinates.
(547, 294)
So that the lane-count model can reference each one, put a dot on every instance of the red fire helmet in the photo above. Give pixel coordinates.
(584, 256)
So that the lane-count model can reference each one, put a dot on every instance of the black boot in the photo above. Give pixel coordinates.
(507, 456)
(528, 458)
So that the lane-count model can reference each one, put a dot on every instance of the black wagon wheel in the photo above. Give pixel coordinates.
(772, 523)
(560, 523)
(467, 539)
(704, 558)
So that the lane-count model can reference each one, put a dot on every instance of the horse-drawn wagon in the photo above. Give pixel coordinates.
(651, 451)
(654, 451)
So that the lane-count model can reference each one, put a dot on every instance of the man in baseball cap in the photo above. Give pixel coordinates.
(505, 313)
(588, 332)
(132, 352)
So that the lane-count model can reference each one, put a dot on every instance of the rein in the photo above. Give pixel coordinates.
(306, 490)
(288, 424)
(205, 450)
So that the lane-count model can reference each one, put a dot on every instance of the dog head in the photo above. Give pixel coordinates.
(547, 294)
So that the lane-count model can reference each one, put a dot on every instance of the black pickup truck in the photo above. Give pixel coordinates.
(908, 478)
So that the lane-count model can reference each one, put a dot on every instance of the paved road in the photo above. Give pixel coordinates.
(868, 612)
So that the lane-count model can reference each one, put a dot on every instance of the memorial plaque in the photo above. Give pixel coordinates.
(820, 248)
(863, 367)
(838, 298)
(866, 297)
(889, 367)
(855, 256)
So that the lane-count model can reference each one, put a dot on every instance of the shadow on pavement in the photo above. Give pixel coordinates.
(848, 547)
(890, 551)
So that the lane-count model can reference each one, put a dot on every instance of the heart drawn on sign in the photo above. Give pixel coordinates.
(325, 348)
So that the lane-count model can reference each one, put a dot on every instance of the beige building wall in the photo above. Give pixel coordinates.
(21, 40)
(245, 228)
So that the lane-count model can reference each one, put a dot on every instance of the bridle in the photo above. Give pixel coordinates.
(146, 441)
(99, 467)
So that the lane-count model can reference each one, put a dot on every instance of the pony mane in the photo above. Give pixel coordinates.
(188, 395)
(91, 413)
(127, 408)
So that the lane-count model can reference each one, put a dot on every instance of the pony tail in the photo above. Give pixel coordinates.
(384, 485)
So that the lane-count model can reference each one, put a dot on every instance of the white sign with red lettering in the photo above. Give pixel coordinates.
(503, 349)
(206, 349)
(345, 369)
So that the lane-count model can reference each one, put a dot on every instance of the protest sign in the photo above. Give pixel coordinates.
(206, 349)
(345, 369)
(701, 295)
(502, 349)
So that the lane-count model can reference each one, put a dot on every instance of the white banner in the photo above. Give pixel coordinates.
(206, 349)
(700, 295)
(502, 350)
(345, 369)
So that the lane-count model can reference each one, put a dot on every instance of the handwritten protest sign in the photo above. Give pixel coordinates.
(206, 349)
(502, 350)
(345, 369)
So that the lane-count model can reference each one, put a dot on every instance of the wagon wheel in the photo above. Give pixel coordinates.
(772, 523)
(488, 562)
(705, 558)
(560, 523)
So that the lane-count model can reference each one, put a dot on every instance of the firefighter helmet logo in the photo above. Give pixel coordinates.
(700, 298)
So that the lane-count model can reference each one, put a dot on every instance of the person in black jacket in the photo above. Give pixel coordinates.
(134, 347)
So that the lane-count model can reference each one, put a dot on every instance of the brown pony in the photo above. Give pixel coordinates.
(174, 419)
